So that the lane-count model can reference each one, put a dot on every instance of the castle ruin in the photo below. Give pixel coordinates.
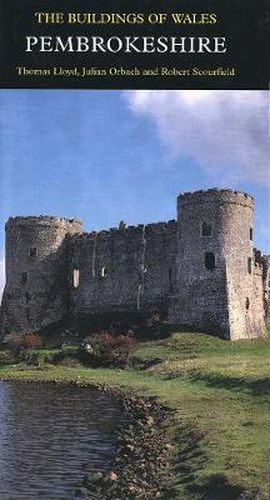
(200, 270)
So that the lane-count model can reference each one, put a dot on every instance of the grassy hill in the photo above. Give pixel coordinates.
(219, 391)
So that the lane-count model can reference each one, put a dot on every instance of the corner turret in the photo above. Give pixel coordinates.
(35, 289)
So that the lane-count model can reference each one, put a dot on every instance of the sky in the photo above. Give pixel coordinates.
(106, 156)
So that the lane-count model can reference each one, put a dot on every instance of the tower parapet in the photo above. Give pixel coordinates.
(216, 195)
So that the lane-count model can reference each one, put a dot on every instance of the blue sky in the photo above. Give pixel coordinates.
(104, 156)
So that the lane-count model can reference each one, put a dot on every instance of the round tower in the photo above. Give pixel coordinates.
(35, 291)
(218, 283)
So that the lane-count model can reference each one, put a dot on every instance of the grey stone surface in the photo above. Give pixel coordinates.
(201, 270)
(228, 299)
(266, 267)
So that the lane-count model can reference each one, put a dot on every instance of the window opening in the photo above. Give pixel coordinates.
(206, 229)
(24, 278)
(104, 272)
(249, 265)
(32, 252)
(209, 260)
(76, 278)
(27, 312)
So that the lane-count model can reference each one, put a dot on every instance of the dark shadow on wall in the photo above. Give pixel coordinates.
(146, 325)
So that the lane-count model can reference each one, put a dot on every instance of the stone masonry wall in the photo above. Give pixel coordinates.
(201, 270)
(225, 298)
(35, 291)
(266, 281)
(128, 269)
(200, 301)
(244, 274)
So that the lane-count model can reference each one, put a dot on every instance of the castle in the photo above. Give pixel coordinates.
(200, 270)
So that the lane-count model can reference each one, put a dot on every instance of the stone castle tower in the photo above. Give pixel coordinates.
(219, 283)
(35, 271)
(201, 271)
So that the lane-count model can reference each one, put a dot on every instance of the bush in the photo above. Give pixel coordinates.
(6, 358)
(28, 357)
(67, 356)
(32, 341)
(15, 342)
(104, 349)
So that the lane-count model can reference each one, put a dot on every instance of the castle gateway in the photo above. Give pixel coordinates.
(201, 270)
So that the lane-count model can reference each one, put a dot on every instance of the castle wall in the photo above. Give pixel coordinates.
(200, 301)
(224, 298)
(246, 308)
(201, 270)
(35, 291)
(255, 324)
(130, 269)
(266, 284)
(244, 273)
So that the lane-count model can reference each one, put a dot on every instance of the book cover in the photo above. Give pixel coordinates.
(134, 249)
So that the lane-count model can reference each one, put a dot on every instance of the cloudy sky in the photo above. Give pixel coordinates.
(104, 156)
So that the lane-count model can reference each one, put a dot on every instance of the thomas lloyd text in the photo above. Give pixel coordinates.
(94, 71)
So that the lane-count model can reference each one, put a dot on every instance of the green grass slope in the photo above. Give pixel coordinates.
(219, 391)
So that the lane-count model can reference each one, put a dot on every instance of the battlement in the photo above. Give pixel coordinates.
(215, 196)
(154, 228)
(43, 220)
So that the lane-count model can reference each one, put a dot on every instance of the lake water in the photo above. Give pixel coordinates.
(50, 436)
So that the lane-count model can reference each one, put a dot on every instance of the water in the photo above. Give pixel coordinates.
(50, 436)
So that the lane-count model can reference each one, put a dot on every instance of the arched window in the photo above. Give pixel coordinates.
(209, 260)
(206, 229)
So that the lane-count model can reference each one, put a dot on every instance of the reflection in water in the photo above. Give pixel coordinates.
(50, 435)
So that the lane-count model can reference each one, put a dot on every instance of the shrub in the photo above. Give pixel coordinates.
(6, 358)
(104, 349)
(15, 342)
(67, 356)
(28, 357)
(32, 341)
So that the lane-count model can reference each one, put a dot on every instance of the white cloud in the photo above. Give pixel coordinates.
(225, 132)
(2, 276)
